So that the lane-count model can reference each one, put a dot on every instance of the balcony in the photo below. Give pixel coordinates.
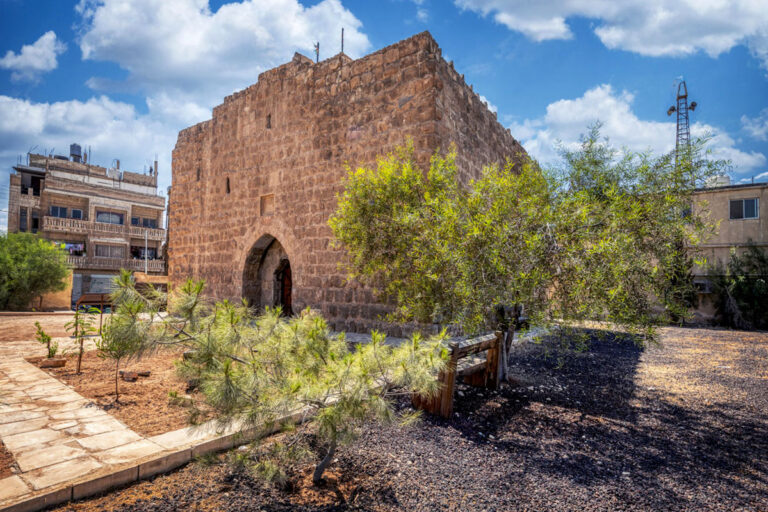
(87, 227)
(84, 262)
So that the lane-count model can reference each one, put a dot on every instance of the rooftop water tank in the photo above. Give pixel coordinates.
(75, 152)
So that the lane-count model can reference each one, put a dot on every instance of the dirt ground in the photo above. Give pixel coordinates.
(678, 427)
(22, 327)
(144, 404)
(6, 462)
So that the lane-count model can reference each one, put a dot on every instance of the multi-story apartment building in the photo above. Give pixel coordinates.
(106, 219)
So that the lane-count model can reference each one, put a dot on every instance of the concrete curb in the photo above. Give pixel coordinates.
(140, 469)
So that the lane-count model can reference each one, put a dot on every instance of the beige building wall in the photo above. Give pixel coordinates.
(730, 234)
(60, 300)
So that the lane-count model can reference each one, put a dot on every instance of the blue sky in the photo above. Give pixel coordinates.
(124, 76)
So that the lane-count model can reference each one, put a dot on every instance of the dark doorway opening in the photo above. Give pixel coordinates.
(283, 287)
(268, 277)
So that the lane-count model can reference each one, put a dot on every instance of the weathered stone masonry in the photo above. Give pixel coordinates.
(253, 187)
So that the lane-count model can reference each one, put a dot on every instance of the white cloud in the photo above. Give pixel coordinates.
(182, 47)
(647, 27)
(113, 129)
(490, 105)
(566, 120)
(422, 15)
(757, 127)
(34, 59)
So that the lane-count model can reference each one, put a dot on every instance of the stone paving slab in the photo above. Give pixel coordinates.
(17, 427)
(33, 437)
(107, 440)
(61, 472)
(45, 456)
(12, 487)
(129, 452)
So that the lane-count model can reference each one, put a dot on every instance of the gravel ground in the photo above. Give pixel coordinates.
(681, 427)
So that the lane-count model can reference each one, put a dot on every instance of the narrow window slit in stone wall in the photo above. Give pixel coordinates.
(198, 174)
(269, 121)
(227, 185)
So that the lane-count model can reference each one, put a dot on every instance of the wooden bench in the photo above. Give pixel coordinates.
(476, 360)
(99, 300)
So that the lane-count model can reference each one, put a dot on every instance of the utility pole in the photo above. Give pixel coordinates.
(146, 262)
(342, 39)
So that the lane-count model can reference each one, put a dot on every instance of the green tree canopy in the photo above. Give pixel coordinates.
(599, 238)
(29, 267)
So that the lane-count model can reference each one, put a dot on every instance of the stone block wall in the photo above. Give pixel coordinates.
(271, 162)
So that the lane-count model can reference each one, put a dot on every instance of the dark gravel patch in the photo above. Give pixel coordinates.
(683, 427)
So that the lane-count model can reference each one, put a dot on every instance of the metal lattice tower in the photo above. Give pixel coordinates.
(683, 141)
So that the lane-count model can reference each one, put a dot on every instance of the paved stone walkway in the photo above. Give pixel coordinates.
(53, 432)
(59, 438)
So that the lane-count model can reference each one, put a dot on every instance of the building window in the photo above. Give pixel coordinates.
(745, 209)
(35, 221)
(198, 174)
(77, 214)
(135, 221)
(138, 252)
(110, 251)
(109, 217)
(59, 211)
(22, 219)
(149, 223)
(227, 185)
(269, 121)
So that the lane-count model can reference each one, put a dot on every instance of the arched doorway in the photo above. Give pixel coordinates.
(267, 277)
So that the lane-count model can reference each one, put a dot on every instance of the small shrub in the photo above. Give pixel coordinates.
(740, 289)
(44, 339)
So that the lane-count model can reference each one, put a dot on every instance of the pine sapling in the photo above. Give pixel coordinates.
(43, 338)
(82, 325)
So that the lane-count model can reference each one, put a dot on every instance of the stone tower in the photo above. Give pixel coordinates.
(253, 187)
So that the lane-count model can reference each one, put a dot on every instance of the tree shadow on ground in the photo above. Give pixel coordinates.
(580, 416)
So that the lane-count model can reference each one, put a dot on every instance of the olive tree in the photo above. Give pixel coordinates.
(598, 238)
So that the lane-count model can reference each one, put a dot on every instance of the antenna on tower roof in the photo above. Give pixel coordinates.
(317, 51)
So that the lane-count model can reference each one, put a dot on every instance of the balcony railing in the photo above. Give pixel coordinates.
(84, 262)
(89, 227)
